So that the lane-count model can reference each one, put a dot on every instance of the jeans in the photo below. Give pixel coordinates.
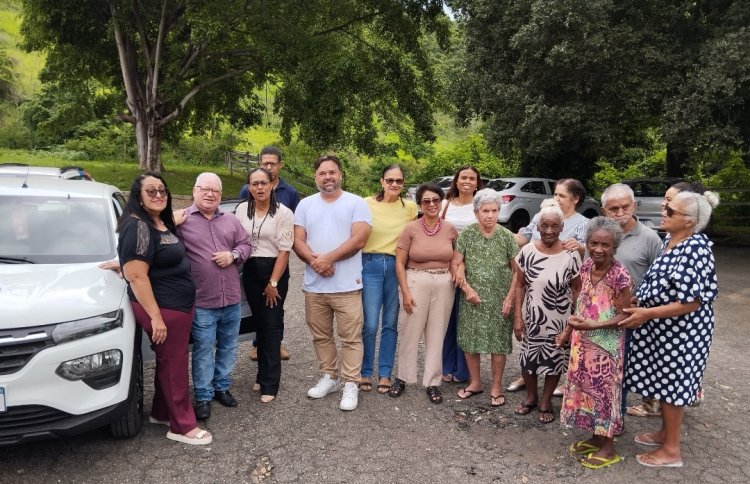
(268, 321)
(454, 361)
(379, 290)
(219, 327)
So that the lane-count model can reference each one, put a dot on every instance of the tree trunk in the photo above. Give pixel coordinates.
(677, 157)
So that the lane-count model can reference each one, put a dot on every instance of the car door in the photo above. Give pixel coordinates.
(531, 195)
(648, 195)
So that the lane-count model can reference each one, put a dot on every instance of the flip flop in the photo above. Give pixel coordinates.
(603, 462)
(639, 411)
(524, 408)
(447, 378)
(514, 388)
(201, 438)
(642, 460)
(383, 388)
(640, 439)
(471, 393)
(500, 397)
(582, 447)
(546, 411)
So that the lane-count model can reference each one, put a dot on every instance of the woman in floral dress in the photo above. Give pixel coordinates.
(591, 399)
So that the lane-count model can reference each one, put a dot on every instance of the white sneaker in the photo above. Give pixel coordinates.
(349, 397)
(324, 386)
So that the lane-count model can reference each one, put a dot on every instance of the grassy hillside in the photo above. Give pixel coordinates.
(26, 65)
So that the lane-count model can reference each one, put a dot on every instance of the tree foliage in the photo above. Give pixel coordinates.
(567, 82)
(338, 64)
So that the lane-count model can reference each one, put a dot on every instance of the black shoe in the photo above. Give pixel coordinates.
(225, 398)
(202, 409)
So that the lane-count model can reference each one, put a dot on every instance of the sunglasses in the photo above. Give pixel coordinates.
(430, 201)
(394, 181)
(670, 211)
(152, 192)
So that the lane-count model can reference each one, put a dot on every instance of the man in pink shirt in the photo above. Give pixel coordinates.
(216, 245)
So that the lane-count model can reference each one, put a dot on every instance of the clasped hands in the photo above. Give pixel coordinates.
(322, 264)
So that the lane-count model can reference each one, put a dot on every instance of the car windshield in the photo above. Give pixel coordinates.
(443, 182)
(63, 230)
(500, 185)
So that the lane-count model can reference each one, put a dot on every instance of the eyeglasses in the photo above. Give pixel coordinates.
(214, 191)
(259, 183)
(394, 181)
(152, 192)
(268, 164)
(670, 211)
(430, 201)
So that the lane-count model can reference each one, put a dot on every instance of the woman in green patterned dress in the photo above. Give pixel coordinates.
(482, 263)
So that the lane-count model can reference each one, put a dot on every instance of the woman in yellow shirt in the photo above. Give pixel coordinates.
(390, 214)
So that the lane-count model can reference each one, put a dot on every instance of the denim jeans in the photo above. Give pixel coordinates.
(219, 327)
(454, 361)
(379, 291)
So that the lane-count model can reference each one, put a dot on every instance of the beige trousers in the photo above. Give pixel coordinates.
(320, 309)
(433, 294)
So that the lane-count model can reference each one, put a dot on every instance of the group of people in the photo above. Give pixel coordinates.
(603, 301)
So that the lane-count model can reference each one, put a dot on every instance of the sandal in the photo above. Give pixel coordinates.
(383, 386)
(397, 388)
(641, 411)
(433, 393)
(497, 400)
(543, 412)
(468, 393)
(524, 408)
(365, 386)
(447, 378)
(200, 438)
(596, 462)
(582, 447)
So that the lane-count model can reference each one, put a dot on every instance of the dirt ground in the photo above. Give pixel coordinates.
(294, 439)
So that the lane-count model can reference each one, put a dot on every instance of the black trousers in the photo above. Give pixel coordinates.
(268, 321)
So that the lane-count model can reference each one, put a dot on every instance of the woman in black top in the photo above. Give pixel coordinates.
(162, 294)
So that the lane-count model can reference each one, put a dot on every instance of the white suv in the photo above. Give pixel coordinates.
(522, 198)
(70, 355)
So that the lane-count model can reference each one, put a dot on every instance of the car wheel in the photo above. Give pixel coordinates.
(130, 422)
(590, 213)
(518, 220)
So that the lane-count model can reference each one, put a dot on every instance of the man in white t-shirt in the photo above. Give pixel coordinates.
(330, 230)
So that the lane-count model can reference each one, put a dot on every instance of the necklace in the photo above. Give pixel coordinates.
(434, 230)
(256, 236)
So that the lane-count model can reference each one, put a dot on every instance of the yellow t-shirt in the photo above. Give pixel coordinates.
(388, 220)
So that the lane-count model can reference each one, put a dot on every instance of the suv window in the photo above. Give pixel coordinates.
(650, 188)
(534, 187)
(49, 230)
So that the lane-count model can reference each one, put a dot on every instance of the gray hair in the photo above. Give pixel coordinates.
(604, 223)
(698, 207)
(485, 196)
(615, 190)
(207, 175)
(551, 207)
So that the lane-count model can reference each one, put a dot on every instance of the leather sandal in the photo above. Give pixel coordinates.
(433, 393)
(397, 388)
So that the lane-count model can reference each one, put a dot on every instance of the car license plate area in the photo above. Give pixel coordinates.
(3, 405)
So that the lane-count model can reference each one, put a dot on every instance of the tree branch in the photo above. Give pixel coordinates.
(346, 24)
(157, 55)
(181, 106)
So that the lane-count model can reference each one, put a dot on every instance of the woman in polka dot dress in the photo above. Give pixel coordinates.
(673, 323)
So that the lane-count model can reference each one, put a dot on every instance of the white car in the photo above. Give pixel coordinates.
(522, 198)
(70, 355)
(21, 170)
(649, 194)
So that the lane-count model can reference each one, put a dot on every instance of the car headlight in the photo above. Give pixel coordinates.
(92, 366)
(83, 328)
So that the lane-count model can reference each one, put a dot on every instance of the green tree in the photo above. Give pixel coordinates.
(338, 64)
(7, 81)
(567, 82)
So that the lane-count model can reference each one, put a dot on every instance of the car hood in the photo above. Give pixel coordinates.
(39, 294)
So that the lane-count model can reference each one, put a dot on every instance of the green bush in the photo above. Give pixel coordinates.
(205, 149)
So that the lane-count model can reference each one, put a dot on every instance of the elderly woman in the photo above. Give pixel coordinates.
(547, 286)
(423, 257)
(674, 323)
(390, 214)
(650, 406)
(591, 398)
(163, 295)
(458, 209)
(569, 195)
(265, 275)
(483, 271)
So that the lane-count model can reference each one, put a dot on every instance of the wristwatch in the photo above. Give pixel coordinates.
(235, 255)
(273, 283)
